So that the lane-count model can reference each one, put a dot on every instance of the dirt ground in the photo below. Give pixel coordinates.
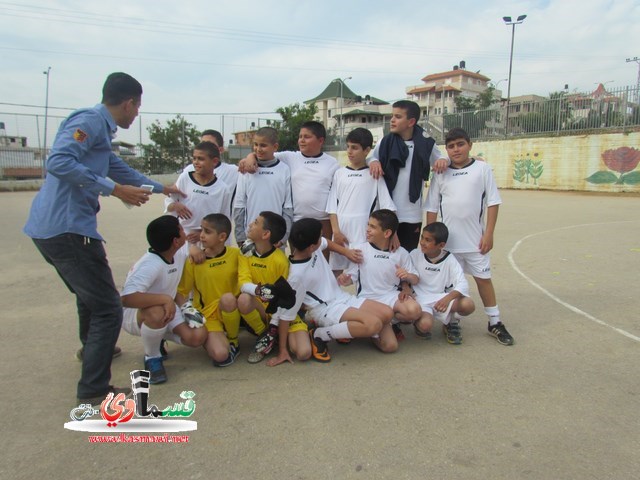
(562, 403)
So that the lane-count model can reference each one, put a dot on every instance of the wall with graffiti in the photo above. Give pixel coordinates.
(598, 163)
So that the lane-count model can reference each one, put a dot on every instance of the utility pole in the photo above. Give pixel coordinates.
(637, 60)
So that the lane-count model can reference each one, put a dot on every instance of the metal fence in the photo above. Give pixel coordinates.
(563, 114)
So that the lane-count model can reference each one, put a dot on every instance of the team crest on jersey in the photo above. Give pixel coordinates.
(79, 135)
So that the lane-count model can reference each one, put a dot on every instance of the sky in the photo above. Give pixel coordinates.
(224, 64)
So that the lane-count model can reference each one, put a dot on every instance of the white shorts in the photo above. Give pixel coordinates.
(427, 302)
(389, 299)
(328, 314)
(475, 264)
(130, 321)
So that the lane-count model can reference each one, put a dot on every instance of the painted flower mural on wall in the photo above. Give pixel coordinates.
(526, 168)
(623, 161)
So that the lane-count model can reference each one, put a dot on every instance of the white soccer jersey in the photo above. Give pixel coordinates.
(202, 200)
(269, 189)
(226, 172)
(152, 274)
(353, 196)
(408, 212)
(313, 282)
(311, 179)
(439, 278)
(376, 276)
(461, 196)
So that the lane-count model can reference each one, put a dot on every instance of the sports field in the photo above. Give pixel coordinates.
(562, 403)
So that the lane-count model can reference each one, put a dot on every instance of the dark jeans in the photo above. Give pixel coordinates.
(82, 264)
(409, 235)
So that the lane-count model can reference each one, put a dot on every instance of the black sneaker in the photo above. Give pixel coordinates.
(98, 399)
(266, 341)
(156, 369)
(398, 332)
(319, 349)
(425, 335)
(163, 349)
(233, 353)
(500, 332)
(453, 332)
(117, 351)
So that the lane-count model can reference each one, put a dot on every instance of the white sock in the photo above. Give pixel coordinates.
(339, 330)
(172, 337)
(151, 338)
(494, 314)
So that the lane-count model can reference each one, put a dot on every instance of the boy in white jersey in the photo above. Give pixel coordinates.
(468, 200)
(311, 174)
(226, 172)
(443, 290)
(264, 266)
(149, 296)
(269, 189)
(338, 314)
(354, 195)
(405, 157)
(382, 272)
(205, 194)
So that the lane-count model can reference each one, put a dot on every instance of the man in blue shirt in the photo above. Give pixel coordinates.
(63, 224)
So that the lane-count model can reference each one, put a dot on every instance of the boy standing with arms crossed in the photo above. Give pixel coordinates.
(405, 157)
(269, 189)
(468, 200)
(354, 195)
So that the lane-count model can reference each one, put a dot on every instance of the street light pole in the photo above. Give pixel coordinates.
(47, 72)
(508, 21)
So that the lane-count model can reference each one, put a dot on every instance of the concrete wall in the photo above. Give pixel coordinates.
(594, 163)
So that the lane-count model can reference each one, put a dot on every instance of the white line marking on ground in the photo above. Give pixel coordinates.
(551, 295)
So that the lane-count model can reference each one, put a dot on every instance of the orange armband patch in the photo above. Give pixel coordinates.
(79, 135)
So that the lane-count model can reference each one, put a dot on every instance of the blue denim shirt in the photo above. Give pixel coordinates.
(81, 159)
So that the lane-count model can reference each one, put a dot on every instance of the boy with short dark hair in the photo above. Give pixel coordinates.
(353, 196)
(149, 296)
(443, 290)
(214, 284)
(265, 265)
(338, 314)
(269, 189)
(311, 174)
(467, 198)
(382, 272)
(205, 192)
(406, 156)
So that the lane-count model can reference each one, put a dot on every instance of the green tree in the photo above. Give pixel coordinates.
(172, 144)
(487, 98)
(464, 104)
(293, 116)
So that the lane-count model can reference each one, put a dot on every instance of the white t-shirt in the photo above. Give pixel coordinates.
(226, 172)
(313, 282)
(353, 196)
(215, 197)
(439, 278)
(269, 189)
(311, 179)
(152, 274)
(408, 212)
(376, 276)
(461, 196)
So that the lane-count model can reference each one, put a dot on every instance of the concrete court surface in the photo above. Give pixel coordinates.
(563, 403)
